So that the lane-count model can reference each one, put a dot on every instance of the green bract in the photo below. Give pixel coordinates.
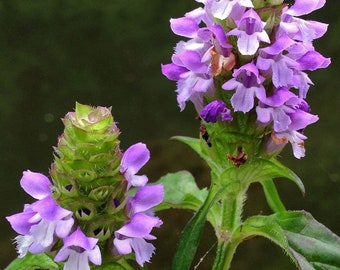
(85, 172)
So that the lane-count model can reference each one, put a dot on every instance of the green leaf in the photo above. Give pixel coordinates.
(181, 191)
(272, 196)
(309, 243)
(191, 235)
(33, 262)
(260, 170)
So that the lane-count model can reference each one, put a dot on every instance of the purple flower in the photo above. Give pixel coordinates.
(250, 31)
(215, 110)
(191, 73)
(221, 9)
(286, 110)
(274, 109)
(42, 222)
(145, 199)
(188, 25)
(78, 250)
(133, 234)
(248, 83)
(134, 158)
(279, 140)
(303, 7)
(272, 61)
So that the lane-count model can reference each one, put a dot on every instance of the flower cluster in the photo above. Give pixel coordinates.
(96, 203)
(251, 57)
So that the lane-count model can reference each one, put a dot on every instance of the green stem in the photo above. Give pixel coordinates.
(232, 206)
(225, 254)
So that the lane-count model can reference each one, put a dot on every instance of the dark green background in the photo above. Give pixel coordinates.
(56, 52)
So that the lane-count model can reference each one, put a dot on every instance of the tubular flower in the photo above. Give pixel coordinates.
(78, 250)
(250, 31)
(133, 234)
(260, 52)
(42, 222)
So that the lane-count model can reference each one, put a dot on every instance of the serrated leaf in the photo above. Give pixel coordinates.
(181, 191)
(309, 243)
(33, 262)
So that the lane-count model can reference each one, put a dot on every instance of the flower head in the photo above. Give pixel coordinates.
(256, 49)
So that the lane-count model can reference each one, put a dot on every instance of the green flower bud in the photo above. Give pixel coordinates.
(85, 172)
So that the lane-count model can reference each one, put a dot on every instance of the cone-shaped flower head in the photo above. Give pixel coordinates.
(87, 206)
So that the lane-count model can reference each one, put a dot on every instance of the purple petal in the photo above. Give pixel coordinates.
(48, 209)
(184, 26)
(21, 222)
(143, 250)
(172, 71)
(248, 44)
(134, 158)
(301, 119)
(146, 198)
(243, 99)
(280, 96)
(313, 60)
(95, 256)
(63, 227)
(264, 114)
(214, 110)
(79, 239)
(303, 7)
(231, 84)
(191, 60)
(139, 226)
(36, 184)
(123, 245)
(281, 44)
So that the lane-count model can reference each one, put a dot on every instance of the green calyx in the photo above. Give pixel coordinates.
(85, 171)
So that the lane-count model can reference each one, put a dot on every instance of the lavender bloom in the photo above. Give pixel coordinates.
(192, 75)
(196, 61)
(250, 31)
(248, 83)
(272, 61)
(221, 9)
(78, 250)
(290, 115)
(134, 158)
(286, 110)
(41, 222)
(215, 110)
(133, 234)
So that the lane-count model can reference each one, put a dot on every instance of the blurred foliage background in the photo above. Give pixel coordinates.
(108, 52)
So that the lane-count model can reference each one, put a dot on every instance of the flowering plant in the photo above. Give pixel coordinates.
(244, 65)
